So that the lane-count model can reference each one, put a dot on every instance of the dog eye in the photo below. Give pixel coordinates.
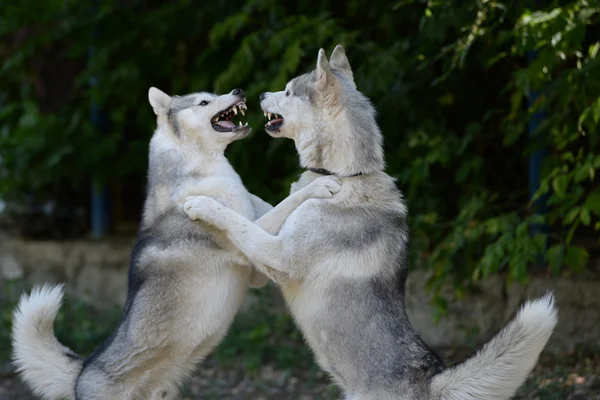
(203, 103)
(287, 93)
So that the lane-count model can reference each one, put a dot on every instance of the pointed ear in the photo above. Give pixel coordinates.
(340, 63)
(159, 100)
(325, 76)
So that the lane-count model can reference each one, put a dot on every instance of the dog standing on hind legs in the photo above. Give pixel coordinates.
(186, 280)
(341, 263)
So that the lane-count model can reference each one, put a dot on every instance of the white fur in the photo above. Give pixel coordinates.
(38, 356)
(321, 124)
(497, 370)
(320, 267)
(192, 290)
(198, 207)
(159, 100)
(184, 307)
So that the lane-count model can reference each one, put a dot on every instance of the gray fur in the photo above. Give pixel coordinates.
(304, 86)
(180, 103)
(341, 263)
(336, 128)
(186, 280)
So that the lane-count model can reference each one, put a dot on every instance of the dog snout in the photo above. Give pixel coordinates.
(262, 96)
(237, 92)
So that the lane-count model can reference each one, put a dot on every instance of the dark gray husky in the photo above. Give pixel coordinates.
(341, 262)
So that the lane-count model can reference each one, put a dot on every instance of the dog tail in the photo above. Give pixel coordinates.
(49, 368)
(497, 370)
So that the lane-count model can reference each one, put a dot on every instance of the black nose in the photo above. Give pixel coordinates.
(237, 92)
(261, 96)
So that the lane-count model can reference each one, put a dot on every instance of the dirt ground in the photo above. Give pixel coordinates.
(571, 377)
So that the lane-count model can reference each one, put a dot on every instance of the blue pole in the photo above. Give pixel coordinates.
(539, 152)
(99, 190)
(537, 156)
(535, 163)
(99, 209)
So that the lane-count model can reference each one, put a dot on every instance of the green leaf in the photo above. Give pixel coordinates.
(554, 257)
(441, 307)
(582, 118)
(596, 111)
(592, 202)
(559, 184)
(576, 258)
(540, 241)
(522, 229)
(584, 216)
(583, 172)
(593, 50)
(571, 215)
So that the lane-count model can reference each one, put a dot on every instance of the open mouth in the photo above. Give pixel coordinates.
(223, 120)
(274, 124)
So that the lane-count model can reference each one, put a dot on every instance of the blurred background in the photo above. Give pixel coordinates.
(490, 112)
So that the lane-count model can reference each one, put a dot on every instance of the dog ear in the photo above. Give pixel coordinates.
(340, 63)
(325, 77)
(159, 100)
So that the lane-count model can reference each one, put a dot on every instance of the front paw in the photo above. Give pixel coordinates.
(200, 207)
(324, 187)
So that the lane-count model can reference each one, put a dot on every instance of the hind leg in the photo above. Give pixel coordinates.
(93, 384)
(183, 371)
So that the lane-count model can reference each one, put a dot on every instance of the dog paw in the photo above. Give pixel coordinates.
(258, 279)
(198, 207)
(325, 187)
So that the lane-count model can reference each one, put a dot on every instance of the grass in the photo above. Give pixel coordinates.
(258, 338)
(268, 338)
(265, 336)
(557, 378)
(78, 325)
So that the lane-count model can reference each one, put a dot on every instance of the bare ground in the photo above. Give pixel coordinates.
(572, 377)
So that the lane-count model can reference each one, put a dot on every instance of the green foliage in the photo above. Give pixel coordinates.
(264, 335)
(450, 81)
(78, 325)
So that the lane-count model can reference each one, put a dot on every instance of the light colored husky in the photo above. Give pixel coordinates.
(186, 280)
(341, 262)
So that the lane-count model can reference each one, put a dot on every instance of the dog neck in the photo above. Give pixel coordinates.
(345, 147)
(323, 171)
(184, 157)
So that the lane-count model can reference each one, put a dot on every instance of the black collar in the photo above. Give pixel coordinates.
(323, 171)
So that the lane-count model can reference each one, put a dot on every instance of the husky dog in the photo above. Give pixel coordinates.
(341, 262)
(186, 280)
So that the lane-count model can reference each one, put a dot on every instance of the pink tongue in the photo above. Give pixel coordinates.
(276, 121)
(226, 124)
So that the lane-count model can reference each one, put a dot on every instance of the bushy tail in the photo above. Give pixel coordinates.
(49, 368)
(497, 370)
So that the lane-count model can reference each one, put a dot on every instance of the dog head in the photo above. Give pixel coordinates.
(201, 117)
(332, 123)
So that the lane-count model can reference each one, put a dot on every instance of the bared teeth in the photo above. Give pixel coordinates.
(228, 114)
